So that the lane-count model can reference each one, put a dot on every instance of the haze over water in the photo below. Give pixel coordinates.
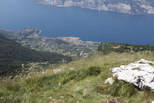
(87, 24)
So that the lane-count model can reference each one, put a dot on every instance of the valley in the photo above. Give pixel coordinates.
(13, 57)
(76, 51)
(28, 72)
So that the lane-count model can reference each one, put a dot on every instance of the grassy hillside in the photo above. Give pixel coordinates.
(80, 81)
(107, 48)
(12, 55)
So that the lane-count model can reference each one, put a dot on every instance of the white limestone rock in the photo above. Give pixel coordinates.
(55, 71)
(140, 73)
(109, 81)
(72, 69)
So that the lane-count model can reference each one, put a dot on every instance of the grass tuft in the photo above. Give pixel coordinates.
(118, 89)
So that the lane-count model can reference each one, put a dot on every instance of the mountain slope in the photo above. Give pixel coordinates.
(124, 6)
(81, 81)
(69, 46)
(12, 55)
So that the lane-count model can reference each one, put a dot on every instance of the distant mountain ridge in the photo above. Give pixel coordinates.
(69, 46)
(124, 6)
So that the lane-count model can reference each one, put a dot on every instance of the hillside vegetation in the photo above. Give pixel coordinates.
(69, 46)
(81, 81)
(107, 48)
(13, 55)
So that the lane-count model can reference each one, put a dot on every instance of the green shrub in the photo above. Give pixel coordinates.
(81, 74)
(94, 71)
(13, 86)
(9, 100)
(74, 75)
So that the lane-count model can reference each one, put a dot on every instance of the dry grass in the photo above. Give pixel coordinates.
(85, 84)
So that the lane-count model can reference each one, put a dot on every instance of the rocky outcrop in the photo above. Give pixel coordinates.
(124, 6)
(140, 73)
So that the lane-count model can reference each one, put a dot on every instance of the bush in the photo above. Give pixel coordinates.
(13, 87)
(75, 75)
(9, 100)
(94, 71)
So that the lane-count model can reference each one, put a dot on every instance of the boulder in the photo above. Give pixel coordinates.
(72, 69)
(140, 73)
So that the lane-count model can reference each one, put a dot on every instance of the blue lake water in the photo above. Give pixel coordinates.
(87, 24)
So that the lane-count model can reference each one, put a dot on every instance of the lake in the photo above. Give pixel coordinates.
(91, 25)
